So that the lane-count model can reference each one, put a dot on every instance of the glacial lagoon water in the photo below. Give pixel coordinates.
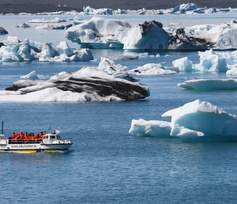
(106, 164)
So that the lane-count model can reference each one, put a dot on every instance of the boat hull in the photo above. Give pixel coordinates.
(29, 148)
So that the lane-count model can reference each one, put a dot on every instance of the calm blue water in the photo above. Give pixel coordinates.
(106, 165)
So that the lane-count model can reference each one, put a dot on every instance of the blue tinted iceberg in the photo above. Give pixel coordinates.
(204, 117)
(14, 50)
(183, 64)
(211, 62)
(209, 84)
(199, 120)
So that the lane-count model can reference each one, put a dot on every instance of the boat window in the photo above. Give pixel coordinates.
(52, 137)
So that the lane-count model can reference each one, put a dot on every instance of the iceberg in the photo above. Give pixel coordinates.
(220, 36)
(116, 70)
(102, 11)
(34, 76)
(183, 64)
(100, 32)
(151, 69)
(106, 33)
(85, 85)
(210, 84)
(183, 8)
(146, 36)
(211, 62)
(26, 51)
(194, 121)
(152, 128)
(204, 117)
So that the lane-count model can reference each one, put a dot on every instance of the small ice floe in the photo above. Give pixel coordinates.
(194, 121)
(152, 70)
(210, 84)
(33, 76)
(85, 85)
(116, 70)
(14, 50)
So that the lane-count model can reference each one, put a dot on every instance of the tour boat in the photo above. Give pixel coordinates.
(30, 142)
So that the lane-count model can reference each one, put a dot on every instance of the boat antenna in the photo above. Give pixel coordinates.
(2, 127)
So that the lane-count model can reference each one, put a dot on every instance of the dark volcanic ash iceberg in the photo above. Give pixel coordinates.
(85, 85)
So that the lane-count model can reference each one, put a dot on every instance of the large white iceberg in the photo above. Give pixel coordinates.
(210, 84)
(204, 117)
(85, 85)
(195, 120)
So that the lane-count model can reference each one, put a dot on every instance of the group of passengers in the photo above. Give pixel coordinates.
(24, 137)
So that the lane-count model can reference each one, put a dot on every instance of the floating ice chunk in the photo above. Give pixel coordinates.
(204, 117)
(152, 128)
(210, 84)
(183, 8)
(102, 11)
(117, 70)
(109, 66)
(9, 54)
(149, 35)
(183, 64)
(87, 84)
(97, 29)
(151, 69)
(211, 62)
(194, 121)
(32, 75)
